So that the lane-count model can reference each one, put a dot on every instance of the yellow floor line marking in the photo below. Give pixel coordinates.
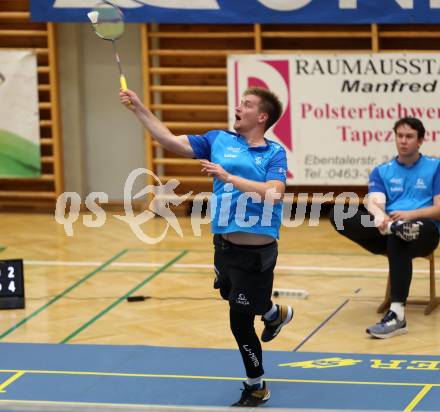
(18, 374)
(172, 376)
(418, 398)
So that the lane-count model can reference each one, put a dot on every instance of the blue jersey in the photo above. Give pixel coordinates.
(407, 187)
(231, 209)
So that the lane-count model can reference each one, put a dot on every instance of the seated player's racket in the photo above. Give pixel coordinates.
(108, 23)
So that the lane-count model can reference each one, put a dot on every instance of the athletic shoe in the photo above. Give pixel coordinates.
(406, 230)
(272, 327)
(253, 395)
(388, 327)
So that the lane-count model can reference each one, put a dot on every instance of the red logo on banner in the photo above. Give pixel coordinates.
(273, 75)
(283, 128)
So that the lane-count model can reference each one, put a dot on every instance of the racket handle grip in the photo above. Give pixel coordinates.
(123, 82)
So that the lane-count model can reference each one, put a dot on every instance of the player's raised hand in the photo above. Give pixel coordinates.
(130, 99)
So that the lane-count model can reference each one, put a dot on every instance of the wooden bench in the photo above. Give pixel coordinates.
(431, 303)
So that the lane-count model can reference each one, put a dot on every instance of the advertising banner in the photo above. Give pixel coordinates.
(250, 11)
(339, 109)
(19, 116)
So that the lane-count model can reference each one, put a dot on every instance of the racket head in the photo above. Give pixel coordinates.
(107, 20)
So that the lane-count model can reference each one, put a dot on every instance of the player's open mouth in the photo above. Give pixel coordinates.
(237, 117)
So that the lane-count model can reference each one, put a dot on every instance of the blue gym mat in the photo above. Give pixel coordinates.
(148, 375)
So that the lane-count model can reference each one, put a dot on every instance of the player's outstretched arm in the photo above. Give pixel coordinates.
(176, 144)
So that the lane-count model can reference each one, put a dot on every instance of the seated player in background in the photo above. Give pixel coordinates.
(404, 202)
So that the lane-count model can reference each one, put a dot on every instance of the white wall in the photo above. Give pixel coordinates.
(103, 142)
(72, 118)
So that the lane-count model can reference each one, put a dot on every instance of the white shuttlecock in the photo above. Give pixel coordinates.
(93, 16)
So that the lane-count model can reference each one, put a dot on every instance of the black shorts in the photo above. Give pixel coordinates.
(245, 274)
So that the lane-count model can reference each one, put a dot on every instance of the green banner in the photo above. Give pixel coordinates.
(19, 116)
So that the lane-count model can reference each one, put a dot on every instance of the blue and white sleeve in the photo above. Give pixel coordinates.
(375, 183)
(277, 168)
(436, 182)
(201, 145)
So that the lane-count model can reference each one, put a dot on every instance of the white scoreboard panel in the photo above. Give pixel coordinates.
(11, 284)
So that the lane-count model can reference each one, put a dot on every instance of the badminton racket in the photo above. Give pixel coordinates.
(108, 24)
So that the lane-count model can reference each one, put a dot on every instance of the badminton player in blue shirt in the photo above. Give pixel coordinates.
(249, 174)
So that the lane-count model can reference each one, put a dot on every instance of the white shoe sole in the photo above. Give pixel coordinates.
(397, 332)
(267, 396)
(285, 322)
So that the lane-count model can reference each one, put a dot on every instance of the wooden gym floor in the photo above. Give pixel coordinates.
(76, 289)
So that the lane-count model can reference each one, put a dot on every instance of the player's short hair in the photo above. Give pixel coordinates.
(412, 122)
(270, 104)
